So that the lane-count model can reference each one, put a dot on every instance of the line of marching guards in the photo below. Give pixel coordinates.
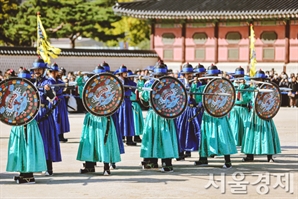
(34, 146)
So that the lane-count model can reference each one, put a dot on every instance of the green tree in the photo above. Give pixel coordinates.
(65, 19)
(137, 31)
(8, 9)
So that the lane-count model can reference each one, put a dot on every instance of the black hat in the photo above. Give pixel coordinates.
(212, 70)
(260, 75)
(160, 69)
(199, 69)
(39, 63)
(239, 72)
(187, 68)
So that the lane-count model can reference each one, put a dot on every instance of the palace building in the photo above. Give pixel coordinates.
(218, 31)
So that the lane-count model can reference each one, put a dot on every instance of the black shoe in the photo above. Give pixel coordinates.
(131, 144)
(113, 166)
(181, 158)
(48, 173)
(247, 159)
(227, 165)
(137, 139)
(147, 165)
(106, 172)
(15, 178)
(167, 169)
(87, 170)
(201, 163)
(22, 180)
(187, 155)
(63, 140)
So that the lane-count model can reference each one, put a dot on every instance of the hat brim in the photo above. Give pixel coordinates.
(159, 73)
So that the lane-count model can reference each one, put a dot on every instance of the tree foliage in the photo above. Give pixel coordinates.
(8, 9)
(64, 19)
(137, 31)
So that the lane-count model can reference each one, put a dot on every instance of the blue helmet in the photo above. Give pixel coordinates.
(106, 66)
(161, 69)
(54, 67)
(25, 74)
(39, 63)
(122, 69)
(99, 69)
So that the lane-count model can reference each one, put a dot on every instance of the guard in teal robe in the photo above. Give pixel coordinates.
(261, 138)
(240, 114)
(159, 135)
(99, 142)
(25, 149)
(216, 135)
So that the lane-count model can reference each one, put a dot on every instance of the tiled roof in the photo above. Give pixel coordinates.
(209, 9)
(29, 51)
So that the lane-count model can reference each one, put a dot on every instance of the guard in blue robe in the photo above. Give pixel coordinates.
(126, 121)
(60, 112)
(189, 122)
(45, 118)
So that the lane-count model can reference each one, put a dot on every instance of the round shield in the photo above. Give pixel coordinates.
(168, 97)
(103, 94)
(267, 104)
(215, 103)
(19, 101)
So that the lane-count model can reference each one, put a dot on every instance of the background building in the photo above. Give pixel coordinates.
(217, 31)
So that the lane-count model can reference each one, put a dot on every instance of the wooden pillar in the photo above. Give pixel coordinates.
(287, 42)
(183, 35)
(216, 42)
(152, 35)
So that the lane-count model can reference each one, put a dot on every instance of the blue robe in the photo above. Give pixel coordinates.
(189, 132)
(60, 112)
(46, 124)
(126, 121)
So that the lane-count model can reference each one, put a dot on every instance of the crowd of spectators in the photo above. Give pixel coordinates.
(283, 80)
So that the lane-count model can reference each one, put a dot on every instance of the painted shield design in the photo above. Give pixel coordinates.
(168, 97)
(103, 94)
(19, 100)
(219, 105)
(267, 104)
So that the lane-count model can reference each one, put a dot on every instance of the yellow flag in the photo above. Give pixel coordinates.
(253, 58)
(44, 48)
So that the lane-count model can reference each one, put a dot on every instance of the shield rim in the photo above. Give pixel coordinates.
(84, 91)
(185, 102)
(38, 100)
(204, 96)
(280, 98)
